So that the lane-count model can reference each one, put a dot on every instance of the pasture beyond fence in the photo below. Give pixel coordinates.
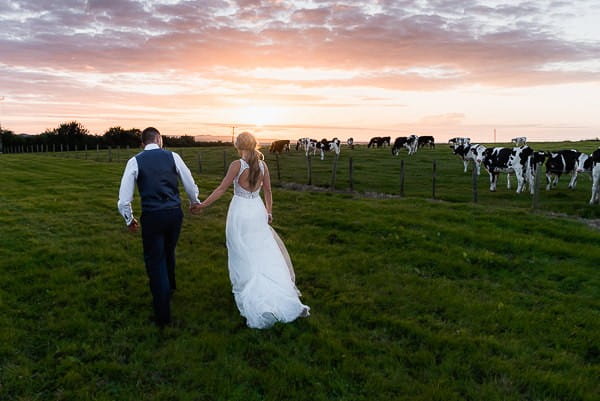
(433, 174)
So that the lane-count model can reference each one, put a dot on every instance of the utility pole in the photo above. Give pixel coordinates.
(233, 134)
(494, 135)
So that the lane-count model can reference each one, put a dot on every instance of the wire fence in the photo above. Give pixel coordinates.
(430, 174)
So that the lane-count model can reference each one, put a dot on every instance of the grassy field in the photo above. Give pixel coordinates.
(412, 298)
(376, 171)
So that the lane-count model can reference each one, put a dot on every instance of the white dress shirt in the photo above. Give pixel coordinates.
(130, 177)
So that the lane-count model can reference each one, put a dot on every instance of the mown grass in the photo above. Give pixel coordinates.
(411, 298)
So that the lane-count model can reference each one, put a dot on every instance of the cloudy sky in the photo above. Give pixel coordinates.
(318, 68)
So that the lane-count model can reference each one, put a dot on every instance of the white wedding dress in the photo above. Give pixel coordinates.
(259, 267)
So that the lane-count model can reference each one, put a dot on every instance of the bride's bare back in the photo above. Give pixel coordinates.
(244, 181)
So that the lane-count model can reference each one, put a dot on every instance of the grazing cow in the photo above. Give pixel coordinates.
(412, 142)
(280, 146)
(307, 145)
(328, 146)
(302, 143)
(409, 142)
(386, 141)
(507, 160)
(470, 153)
(375, 141)
(350, 143)
(519, 141)
(459, 141)
(426, 140)
(561, 162)
(595, 177)
(400, 142)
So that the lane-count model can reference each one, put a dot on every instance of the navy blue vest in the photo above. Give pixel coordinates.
(157, 180)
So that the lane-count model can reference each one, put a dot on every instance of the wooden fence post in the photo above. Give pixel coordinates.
(85, 152)
(199, 163)
(433, 180)
(475, 184)
(109, 154)
(350, 174)
(334, 172)
(224, 163)
(402, 178)
(308, 161)
(536, 187)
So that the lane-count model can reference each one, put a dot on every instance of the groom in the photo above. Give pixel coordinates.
(156, 172)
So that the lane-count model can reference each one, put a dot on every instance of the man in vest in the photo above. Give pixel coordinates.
(157, 173)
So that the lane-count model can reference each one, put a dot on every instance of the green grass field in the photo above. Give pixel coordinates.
(412, 298)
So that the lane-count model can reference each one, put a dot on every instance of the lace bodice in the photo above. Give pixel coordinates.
(237, 188)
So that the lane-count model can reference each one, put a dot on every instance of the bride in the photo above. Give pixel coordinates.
(260, 270)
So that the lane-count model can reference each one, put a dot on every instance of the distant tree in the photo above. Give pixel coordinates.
(179, 141)
(117, 136)
(8, 138)
(71, 134)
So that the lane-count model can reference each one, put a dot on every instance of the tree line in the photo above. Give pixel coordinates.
(74, 134)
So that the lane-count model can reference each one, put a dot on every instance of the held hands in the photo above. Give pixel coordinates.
(196, 208)
(134, 226)
(269, 218)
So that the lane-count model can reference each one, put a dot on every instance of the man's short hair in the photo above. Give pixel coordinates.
(149, 135)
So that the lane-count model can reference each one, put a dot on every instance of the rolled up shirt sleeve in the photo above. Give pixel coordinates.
(127, 189)
(191, 189)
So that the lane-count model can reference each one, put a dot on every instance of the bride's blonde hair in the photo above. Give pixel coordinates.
(246, 142)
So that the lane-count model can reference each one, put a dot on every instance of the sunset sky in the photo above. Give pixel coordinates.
(317, 68)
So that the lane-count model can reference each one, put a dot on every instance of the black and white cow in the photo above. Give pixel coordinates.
(412, 143)
(308, 145)
(584, 163)
(426, 140)
(408, 142)
(399, 143)
(329, 146)
(561, 162)
(519, 141)
(534, 161)
(350, 143)
(302, 143)
(595, 177)
(376, 141)
(507, 160)
(459, 141)
(470, 153)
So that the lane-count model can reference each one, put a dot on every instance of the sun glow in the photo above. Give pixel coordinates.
(258, 115)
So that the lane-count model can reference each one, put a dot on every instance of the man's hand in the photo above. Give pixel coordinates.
(134, 226)
(196, 208)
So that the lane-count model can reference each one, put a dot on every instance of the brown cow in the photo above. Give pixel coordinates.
(280, 146)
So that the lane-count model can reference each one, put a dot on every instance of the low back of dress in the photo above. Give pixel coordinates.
(241, 191)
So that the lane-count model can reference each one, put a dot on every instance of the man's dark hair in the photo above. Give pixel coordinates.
(149, 135)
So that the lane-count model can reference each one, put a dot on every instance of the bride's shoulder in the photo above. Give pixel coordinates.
(235, 165)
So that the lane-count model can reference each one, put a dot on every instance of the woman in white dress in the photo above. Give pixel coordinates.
(260, 270)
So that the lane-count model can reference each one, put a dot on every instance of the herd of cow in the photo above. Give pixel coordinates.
(412, 143)
(520, 160)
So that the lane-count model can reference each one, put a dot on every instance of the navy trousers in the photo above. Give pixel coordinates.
(160, 232)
